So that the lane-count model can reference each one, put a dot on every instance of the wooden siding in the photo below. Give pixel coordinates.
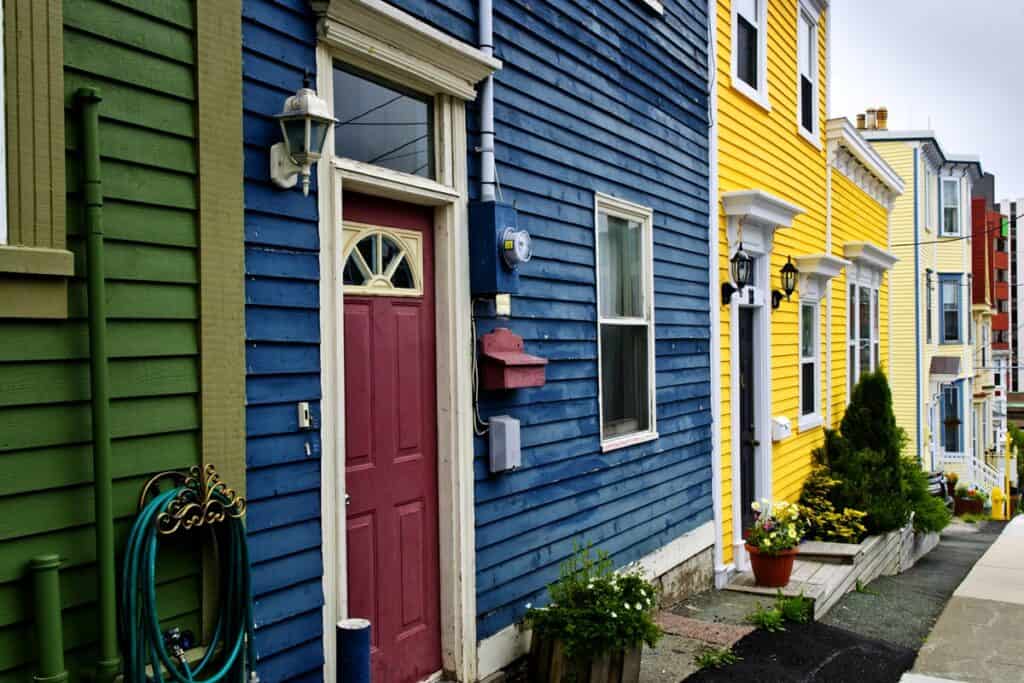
(594, 96)
(282, 354)
(141, 56)
(760, 149)
(856, 216)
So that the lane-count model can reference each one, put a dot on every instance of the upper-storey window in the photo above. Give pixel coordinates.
(928, 225)
(807, 70)
(749, 58)
(382, 125)
(950, 305)
(950, 206)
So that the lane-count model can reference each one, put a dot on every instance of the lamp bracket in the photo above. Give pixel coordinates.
(283, 171)
(777, 296)
(728, 289)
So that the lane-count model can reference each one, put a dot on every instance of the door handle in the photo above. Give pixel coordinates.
(348, 499)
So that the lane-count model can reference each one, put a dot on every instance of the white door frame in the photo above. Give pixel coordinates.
(454, 347)
(755, 297)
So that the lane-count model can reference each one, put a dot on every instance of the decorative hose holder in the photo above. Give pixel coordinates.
(196, 501)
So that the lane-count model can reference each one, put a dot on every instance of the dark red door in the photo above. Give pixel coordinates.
(391, 436)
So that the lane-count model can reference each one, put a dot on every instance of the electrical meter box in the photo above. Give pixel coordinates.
(496, 248)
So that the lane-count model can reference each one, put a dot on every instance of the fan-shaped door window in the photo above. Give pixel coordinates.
(382, 261)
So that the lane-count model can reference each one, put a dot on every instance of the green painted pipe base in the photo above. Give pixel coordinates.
(107, 670)
(56, 678)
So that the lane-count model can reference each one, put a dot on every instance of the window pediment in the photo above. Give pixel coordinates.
(816, 270)
(757, 215)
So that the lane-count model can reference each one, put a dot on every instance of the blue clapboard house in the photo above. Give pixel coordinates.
(373, 416)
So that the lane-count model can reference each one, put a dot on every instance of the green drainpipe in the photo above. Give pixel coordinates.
(109, 663)
(49, 634)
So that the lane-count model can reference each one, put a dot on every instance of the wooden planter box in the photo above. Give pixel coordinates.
(548, 664)
(968, 506)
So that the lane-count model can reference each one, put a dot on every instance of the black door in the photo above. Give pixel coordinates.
(747, 426)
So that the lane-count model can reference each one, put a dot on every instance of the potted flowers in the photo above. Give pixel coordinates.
(772, 541)
(951, 479)
(595, 626)
(970, 500)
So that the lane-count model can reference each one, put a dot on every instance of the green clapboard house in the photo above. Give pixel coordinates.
(169, 74)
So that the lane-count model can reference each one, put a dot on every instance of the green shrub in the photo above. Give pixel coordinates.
(930, 512)
(594, 609)
(822, 520)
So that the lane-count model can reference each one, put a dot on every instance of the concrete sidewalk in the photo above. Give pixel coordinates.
(979, 635)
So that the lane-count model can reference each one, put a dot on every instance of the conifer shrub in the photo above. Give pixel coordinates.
(866, 471)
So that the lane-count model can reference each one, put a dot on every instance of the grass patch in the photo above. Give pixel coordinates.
(795, 608)
(715, 658)
(971, 518)
(862, 588)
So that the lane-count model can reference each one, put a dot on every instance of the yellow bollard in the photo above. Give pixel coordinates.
(998, 503)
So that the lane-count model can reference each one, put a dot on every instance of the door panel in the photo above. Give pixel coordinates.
(747, 423)
(391, 454)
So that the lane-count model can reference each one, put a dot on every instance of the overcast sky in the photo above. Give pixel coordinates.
(956, 66)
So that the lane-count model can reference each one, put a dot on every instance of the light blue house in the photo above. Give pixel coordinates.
(360, 303)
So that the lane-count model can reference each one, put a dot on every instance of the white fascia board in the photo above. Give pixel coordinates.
(868, 254)
(844, 133)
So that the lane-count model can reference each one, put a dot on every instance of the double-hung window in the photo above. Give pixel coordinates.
(807, 73)
(862, 332)
(625, 303)
(950, 207)
(810, 361)
(927, 213)
(749, 53)
(929, 309)
(951, 418)
(950, 300)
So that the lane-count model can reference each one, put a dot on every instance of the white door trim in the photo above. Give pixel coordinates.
(762, 398)
(454, 347)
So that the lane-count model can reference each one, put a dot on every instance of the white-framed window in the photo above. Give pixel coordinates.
(929, 309)
(862, 328)
(950, 305)
(625, 327)
(928, 203)
(950, 207)
(810, 366)
(750, 49)
(807, 73)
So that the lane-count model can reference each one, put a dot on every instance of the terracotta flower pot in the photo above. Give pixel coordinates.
(772, 569)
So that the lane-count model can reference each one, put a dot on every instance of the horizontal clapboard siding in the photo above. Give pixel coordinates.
(141, 56)
(594, 96)
(282, 354)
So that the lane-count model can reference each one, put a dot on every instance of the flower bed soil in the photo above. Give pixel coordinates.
(812, 653)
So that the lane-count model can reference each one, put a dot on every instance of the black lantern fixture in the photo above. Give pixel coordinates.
(741, 267)
(788, 279)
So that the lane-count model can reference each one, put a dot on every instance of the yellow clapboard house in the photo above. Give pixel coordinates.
(934, 346)
(789, 188)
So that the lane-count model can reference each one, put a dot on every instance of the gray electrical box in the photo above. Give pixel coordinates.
(504, 445)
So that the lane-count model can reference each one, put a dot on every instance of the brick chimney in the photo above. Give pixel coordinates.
(860, 121)
(882, 118)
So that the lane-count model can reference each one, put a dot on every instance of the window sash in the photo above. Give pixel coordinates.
(950, 207)
(863, 338)
(625, 325)
(950, 305)
(807, 62)
(809, 355)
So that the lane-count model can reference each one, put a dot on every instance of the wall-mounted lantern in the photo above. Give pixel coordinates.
(741, 267)
(787, 277)
(304, 121)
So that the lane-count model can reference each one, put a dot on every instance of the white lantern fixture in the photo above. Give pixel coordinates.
(304, 121)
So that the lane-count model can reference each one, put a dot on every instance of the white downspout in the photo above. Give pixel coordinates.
(487, 172)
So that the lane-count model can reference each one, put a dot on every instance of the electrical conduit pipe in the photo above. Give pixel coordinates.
(49, 635)
(109, 662)
(488, 174)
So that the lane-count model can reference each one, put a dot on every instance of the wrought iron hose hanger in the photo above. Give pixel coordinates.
(202, 499)
(193, 502)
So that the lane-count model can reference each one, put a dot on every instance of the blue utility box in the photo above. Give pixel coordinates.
(490, 223)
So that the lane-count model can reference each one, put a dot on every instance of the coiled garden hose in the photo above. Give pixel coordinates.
(231, 651)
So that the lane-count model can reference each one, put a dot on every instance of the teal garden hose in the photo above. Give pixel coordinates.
(230, 655)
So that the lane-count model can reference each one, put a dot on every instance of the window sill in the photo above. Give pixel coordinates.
(812, 138)
(809, 422)
(627, 440)
(34, 282)
(758, 97)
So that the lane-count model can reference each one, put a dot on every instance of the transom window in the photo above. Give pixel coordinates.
(625, 322)
(950, 206)
(382, 261)
(749, 66)
(950, 305)
(809, 363)
(382, 124)
(807, 71)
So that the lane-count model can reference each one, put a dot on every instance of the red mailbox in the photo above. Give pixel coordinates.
(505, 365)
